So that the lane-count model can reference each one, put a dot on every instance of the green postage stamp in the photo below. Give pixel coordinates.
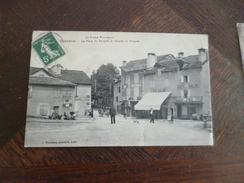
(48, 48)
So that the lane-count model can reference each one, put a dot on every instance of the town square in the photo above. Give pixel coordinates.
(160, 98)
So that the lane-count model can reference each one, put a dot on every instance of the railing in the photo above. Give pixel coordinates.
(192, 99)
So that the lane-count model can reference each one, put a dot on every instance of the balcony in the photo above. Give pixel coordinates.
(192, 99)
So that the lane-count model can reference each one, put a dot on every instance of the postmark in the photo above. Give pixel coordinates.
(48, 48)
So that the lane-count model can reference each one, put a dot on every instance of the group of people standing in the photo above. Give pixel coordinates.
(112, 113)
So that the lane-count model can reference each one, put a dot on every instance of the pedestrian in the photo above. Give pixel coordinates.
(92, 113)
(151, 116)
(125, 115)
(172, 118)
(112, 113)
(65, 116)
(89, 114)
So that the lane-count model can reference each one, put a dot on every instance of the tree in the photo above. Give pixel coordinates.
(102, 84)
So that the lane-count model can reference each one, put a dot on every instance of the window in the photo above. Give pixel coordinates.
(136, 78)
(30, 89)
(118, 89)
(117, 99)
(136, 92)
(185, 93)
(185, 79)
(43, 110)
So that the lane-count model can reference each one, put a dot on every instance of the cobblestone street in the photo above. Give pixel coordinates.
(100, 132)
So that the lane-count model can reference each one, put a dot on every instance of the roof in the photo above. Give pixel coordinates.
(41, 80)
(189, 62)
(152, 100)
(74, 76)
(141, 64)
(34, 70)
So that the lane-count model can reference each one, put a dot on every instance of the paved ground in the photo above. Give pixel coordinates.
(100, 132)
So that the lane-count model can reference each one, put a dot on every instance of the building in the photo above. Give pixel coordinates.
(178, 86)
(117, 97)
(132, 79)
(59, 90)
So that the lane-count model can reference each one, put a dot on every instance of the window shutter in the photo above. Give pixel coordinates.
(188, 78)
(189, 93)
(182, 79)
(182, 93)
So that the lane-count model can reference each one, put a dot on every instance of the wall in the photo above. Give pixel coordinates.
(205, 80)
(50, 96)
(117, 96)
(82, 99)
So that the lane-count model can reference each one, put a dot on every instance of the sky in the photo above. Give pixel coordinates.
(87, 51)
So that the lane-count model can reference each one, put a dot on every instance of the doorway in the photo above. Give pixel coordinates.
(191, 110)
(179, 110)
(56, 110)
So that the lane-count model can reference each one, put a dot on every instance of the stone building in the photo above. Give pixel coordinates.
(178, 86)
(132, 78)
(59, 90)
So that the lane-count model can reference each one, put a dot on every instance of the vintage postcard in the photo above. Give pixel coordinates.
(240, 29)
(118, 89)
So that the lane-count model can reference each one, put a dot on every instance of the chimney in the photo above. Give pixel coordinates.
(180, 54)
(57, 69)
(124, 63)
(151, 59)
(202, 54)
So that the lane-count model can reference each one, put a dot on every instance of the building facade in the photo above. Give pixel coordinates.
(185, 80)
(117, 97)
(59, 90)
(132, 79)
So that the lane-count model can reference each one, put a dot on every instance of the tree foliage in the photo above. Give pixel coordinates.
(102, 81)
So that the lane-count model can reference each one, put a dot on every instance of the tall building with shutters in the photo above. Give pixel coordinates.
(178, 86)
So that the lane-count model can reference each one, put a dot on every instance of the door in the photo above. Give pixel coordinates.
(179, 110)
(190, 111)
(165, 113)
(56, 110)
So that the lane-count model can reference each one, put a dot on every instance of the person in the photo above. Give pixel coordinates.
(92, 113)
(65, 116)
(124, 114)
(134, 117)
(172, 118)
(112, 113)
(151, 116)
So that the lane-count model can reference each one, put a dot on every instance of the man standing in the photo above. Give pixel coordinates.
(151, 115)
(112, 115)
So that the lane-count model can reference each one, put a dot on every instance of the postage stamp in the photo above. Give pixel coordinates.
(48, 48)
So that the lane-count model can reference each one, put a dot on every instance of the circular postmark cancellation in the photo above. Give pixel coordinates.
(48, 48)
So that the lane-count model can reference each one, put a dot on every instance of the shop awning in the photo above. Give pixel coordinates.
(152, 100)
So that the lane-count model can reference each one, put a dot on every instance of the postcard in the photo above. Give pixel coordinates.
(92, 89)
(240, 30)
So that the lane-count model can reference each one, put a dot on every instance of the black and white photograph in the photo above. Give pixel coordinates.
(118, 89)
